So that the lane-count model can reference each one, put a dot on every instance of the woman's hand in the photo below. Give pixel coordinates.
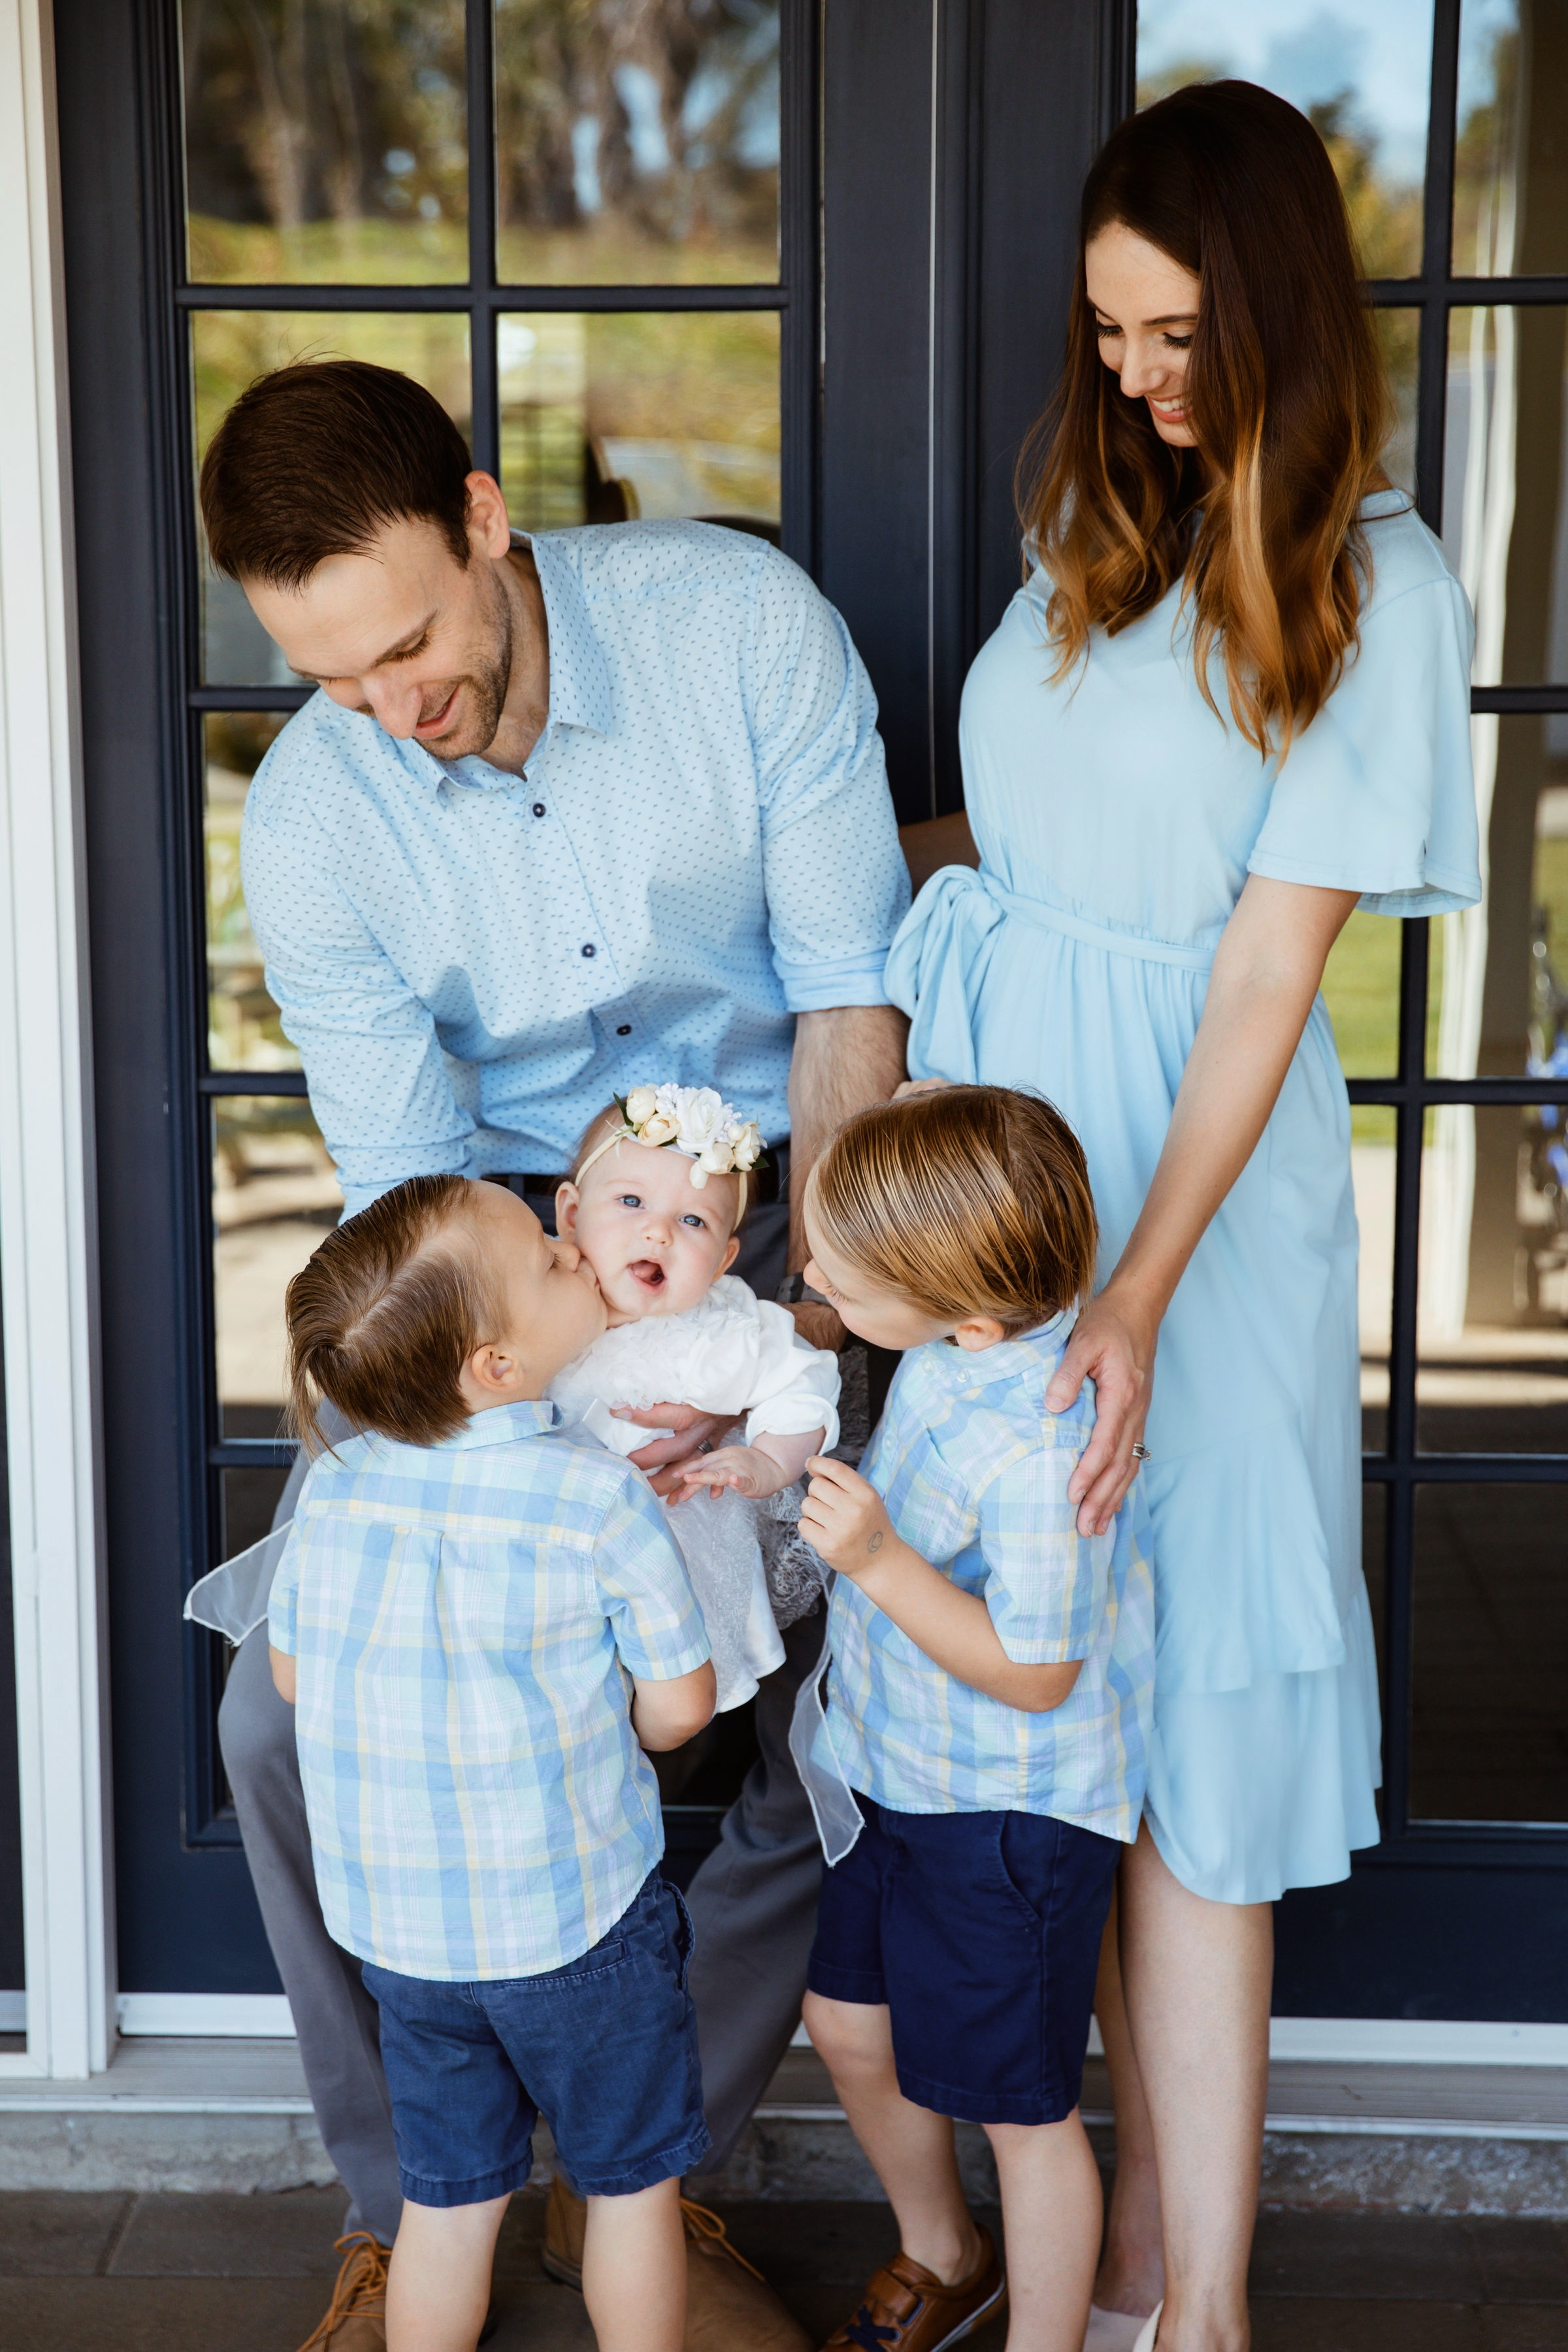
(844, 1518)
(695, 1433)
(1112, 1344)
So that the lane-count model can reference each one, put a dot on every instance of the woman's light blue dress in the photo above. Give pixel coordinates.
(1117, 819)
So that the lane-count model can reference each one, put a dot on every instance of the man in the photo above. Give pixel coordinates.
(568, 815)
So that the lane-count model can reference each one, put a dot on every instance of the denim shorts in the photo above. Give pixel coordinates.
(981, 1933)
(605, 2049)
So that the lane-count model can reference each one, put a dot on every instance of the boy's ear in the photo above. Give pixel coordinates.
(567, 1197)
(977, 1331)
(489, 1368)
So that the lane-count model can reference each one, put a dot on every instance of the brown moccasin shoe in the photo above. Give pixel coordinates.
(906, 2309)
(728, 2301)
(355, 2319)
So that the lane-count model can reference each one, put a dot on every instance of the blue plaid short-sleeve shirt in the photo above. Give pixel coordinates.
(974, 1474)
(465, 1619)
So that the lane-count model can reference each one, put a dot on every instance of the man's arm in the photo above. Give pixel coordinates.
(844, 1060)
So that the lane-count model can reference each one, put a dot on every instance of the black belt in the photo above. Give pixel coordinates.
(764, 1181)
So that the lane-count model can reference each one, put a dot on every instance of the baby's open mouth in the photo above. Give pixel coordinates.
(649, 1272)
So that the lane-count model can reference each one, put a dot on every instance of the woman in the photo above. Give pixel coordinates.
(1230, 704)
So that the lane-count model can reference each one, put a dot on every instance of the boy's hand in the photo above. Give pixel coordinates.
(845, 1519)
(744, 1468)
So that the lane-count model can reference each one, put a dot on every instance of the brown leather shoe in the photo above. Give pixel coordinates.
(906, 2309)
(355, 2319)
(728, 2301)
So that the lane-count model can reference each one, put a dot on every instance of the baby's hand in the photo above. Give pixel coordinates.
(844, 1518)
(746, 1468)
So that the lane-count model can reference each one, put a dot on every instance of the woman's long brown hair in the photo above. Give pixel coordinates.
(1286, 396)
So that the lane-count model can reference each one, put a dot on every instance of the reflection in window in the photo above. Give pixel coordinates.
(228, 350)
(608, 416)
(1361, 74)
(637, 145)
(1372, 1172)
(274, 1194)
(1505, 489)
(325, 141)
(1509, 217)
(1488, 1737)
(243, 1031)
(1398, 339)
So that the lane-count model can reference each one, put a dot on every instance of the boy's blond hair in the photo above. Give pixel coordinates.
(972, 1201)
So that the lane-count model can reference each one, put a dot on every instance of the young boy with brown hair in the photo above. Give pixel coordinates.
(478, 1624)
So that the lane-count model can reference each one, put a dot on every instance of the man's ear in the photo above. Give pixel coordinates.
(568, 1199)
(977, 1331)
(490, 531)
(732, 1253)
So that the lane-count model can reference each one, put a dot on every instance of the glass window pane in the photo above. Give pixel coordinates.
(249, 1500)
(326, 140)
(1361, 988)
(1510, 219)
(637, 146)
(606, 417)
(1488, 1733)
(243, 1033)
(274, 1194)
(1497, 1006)
(1398, 338)
(1493, 1328)
(1361, 77)
(1505, 486)
(1372, 1172)
(228, 350)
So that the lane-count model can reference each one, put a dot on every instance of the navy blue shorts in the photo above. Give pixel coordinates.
(605, 2049)
(981, 1933)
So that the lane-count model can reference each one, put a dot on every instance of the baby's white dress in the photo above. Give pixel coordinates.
(732, 1352)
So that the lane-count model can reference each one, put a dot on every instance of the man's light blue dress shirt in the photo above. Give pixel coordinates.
(471, 964)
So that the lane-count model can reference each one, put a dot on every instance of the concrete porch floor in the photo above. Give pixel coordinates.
(183, 2272)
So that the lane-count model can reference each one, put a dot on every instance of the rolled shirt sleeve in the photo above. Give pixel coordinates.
(837, 886)
(652, 1609)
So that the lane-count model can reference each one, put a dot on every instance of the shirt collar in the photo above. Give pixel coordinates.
(503, 1424)
(580, 690)
(1008, 1360)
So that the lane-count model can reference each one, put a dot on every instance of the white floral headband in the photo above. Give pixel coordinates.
(695, 1120)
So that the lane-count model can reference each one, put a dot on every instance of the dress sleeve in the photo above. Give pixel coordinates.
(1377, 795)
(795, 1386)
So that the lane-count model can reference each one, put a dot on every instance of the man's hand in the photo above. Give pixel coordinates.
(693, 1432)
(1114, 1345)
(845, 1519)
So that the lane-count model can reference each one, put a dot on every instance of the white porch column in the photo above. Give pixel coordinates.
(46, 1247)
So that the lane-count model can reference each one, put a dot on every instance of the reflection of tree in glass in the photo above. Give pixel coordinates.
(645, 129)
(1483, 159)
(338, 126)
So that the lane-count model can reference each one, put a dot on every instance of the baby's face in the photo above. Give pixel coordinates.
(655, 1241)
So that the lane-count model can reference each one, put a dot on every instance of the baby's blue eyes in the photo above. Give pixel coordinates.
(635, 1200)
(698, 1221)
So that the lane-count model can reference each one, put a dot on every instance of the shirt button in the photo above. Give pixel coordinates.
(539, 808)
(624, 1030)
(589, 948)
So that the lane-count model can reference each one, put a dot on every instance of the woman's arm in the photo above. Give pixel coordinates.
(847, 1520)
(1266, 974)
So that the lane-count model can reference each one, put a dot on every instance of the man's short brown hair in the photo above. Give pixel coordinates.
(317, 458)
(383, 1318)
(974, 1200)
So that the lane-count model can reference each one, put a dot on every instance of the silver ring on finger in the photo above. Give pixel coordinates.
(1141, 1451)
(705, 1446)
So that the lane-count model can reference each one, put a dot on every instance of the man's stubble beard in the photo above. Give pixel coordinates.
(491, 682)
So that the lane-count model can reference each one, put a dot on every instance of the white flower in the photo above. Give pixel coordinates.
(660, 1128)
(716, 1160)
(641, 1104)
(700, 1115)
(747, 1145)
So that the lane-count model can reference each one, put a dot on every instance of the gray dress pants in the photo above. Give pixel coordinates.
(753, 1901)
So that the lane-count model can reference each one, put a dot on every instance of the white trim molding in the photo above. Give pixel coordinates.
(46, 1182)
(265, 2016)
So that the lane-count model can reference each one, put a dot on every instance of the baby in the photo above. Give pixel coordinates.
(656, 1198)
